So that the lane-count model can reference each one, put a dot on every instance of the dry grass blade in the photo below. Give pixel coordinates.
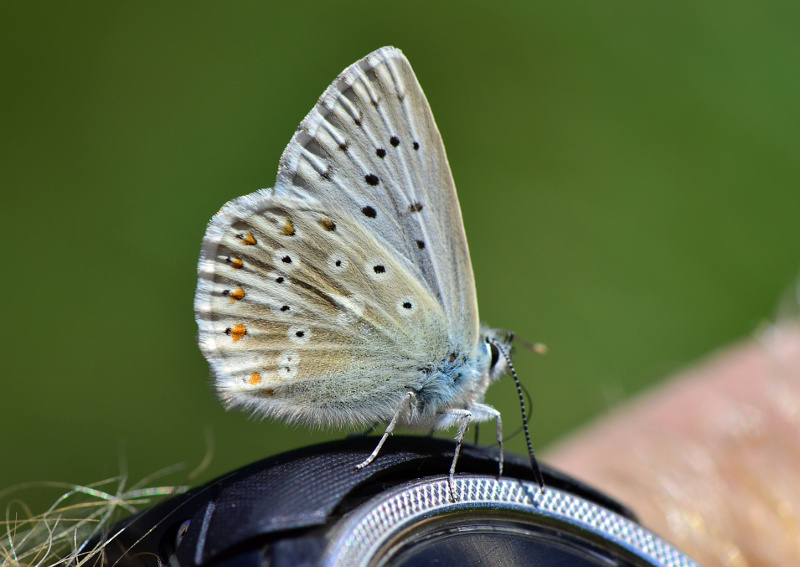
(69, 531)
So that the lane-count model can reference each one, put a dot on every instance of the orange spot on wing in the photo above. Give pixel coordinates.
(236, 262)
(288, 228)
(237, 332)
(328, 225)
(249, 239)
(237, 294)
(255, 379)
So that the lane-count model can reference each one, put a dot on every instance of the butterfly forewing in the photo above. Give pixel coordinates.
(371, 146)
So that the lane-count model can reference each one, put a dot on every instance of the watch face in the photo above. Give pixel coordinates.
(492, 522)
(494, 539)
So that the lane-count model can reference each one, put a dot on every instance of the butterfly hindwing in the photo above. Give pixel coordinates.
(289, 317)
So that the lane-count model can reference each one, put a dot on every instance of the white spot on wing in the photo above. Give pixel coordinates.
(277, 278)
(298, 334)
(337, 263)
(406, 306)
(287, 372)
(287, 365)
(286, 259)
(281, 309)
(351, 310)
(289, 358)
(377, 270)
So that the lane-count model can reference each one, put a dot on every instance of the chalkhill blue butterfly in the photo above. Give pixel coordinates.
(344, 296)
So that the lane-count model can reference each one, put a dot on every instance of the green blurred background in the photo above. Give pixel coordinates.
(628, 174)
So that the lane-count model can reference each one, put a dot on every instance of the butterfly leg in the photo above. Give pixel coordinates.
(485, 413)
(477, 413)
(407, 403)
(464, 417)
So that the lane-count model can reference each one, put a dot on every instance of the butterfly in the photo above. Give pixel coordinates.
(344, 295)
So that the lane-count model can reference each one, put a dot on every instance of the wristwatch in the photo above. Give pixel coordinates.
(311, 507)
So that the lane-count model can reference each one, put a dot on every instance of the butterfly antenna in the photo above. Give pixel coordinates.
(537, 473)
(537, 348)
(528, 403)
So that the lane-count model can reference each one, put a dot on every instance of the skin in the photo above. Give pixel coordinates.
(710, 460)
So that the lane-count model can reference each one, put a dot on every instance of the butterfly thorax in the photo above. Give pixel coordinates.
(453, 382)
(460, 380)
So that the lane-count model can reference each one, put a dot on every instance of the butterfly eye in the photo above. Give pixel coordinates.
(495, 354)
